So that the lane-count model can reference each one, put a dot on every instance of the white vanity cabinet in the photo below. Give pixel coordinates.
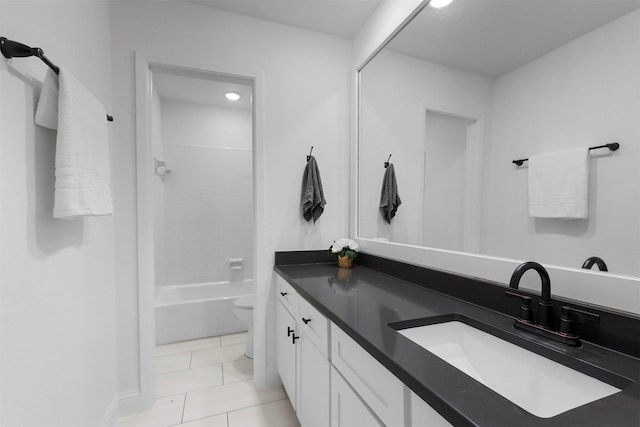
(302, 356)
(332, 381)
(424, 415)
(286, 350)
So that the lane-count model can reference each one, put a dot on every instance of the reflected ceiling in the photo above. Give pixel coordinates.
(493, 37)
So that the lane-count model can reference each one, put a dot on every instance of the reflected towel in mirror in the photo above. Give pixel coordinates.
(389, 199)
(559, 184)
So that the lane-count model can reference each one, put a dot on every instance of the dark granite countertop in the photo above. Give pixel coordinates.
(363, 302)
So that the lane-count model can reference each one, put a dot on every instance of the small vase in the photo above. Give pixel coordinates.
(345, 262)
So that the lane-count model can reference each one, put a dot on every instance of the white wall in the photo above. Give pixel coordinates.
(304, 101)
(186, 123)
(594, 84)
(57, 348)
(208, 204)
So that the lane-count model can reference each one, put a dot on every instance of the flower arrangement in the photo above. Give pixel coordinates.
(347, 251)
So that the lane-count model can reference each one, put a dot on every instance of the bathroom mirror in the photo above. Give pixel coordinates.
(460, 92)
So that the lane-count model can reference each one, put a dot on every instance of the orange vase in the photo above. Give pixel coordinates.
(345, 262)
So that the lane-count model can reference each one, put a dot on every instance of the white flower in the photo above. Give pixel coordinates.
(344, 243)
(339, 245)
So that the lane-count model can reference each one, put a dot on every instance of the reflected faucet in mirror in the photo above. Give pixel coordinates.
(545, 325)
(589, 262)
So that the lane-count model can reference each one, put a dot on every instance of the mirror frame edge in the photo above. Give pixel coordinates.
(623, 292)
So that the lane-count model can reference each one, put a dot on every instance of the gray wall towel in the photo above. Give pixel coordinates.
(389, 199)
(312, 198)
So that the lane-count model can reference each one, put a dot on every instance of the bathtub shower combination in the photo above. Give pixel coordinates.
(186, 312)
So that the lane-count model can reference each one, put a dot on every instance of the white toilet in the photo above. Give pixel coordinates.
(243, 308)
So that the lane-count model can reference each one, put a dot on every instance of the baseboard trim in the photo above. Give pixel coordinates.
(129, 403)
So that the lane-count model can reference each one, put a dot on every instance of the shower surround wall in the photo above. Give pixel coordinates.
(208, 196)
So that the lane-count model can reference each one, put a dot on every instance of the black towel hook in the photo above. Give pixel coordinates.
(386, 164)
(11, 49)
(310, 151)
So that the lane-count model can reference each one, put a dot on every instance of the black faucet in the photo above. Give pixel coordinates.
(545, 324)
(545, 309)
(595, 260)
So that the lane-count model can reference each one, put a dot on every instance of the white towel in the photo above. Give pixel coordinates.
(83, 177)
(559, 184)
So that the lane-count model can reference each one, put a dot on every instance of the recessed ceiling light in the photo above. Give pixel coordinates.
(232, 96)
(439, 3)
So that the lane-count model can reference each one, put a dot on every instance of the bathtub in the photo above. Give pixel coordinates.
(186, 312)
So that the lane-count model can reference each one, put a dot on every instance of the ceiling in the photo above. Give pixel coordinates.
(492, 37)
(341, 18)
(206, 89)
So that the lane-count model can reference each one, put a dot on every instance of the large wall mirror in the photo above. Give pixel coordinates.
(460, 92)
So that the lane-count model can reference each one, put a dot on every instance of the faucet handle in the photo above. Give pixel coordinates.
(526, 313)
(567, 322)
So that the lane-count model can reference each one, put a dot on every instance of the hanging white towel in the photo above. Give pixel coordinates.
(83, 177)
(559, 184)
(47, 110)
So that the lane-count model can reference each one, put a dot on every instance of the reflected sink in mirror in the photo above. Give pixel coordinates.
(539, 385)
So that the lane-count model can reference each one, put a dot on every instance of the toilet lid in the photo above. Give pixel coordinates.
(244, 302)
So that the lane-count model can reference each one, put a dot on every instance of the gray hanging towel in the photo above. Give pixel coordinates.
(389, 199)
(312, 199)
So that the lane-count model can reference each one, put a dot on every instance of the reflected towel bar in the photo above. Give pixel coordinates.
(12, 49)
(612, 146)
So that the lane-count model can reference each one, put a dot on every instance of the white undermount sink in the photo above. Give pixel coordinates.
(539, 385)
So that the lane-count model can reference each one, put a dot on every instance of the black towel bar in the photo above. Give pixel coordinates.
(12, 49)
(612, 146)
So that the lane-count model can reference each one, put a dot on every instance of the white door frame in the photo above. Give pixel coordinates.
(145, 234)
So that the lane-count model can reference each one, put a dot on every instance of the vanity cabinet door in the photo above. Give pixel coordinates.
(313, 384)
(382, 391)
(286, 350)
(347, 409)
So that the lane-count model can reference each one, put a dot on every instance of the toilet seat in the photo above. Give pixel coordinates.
(245, 303)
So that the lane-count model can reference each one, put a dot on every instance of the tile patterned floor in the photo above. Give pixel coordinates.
(209, 383)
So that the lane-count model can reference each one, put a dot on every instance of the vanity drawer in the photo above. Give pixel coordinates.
(379, 388)
(314, 326)
(287, 295)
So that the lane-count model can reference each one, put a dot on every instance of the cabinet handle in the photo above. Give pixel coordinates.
(306, 320)
(294, 338)
(284, 293)
(289, 331)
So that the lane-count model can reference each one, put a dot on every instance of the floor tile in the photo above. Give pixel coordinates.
(279, 413)
(185, 346)
(172, 362)
(216, 421)
(239, 338)
(166, 412)
(213, 356)
(191, 379)
(238, 370)
(229, 397)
